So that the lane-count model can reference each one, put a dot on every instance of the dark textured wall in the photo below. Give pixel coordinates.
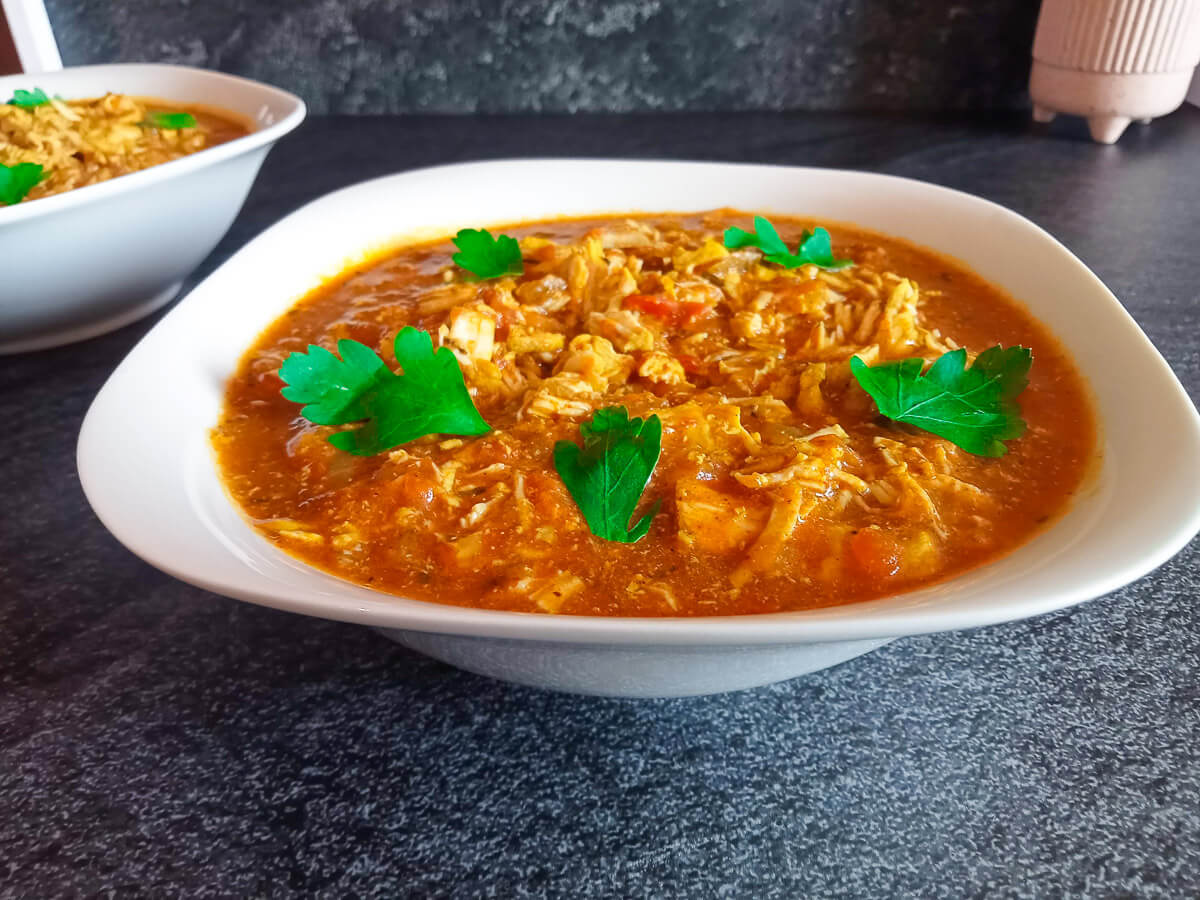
(377, 56)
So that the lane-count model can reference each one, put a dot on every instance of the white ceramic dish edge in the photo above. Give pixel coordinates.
(1094, 549)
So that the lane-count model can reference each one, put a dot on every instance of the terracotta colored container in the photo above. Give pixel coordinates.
(1113, 61)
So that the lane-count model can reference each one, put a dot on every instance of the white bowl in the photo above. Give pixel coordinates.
(102, 256)
(146, 466)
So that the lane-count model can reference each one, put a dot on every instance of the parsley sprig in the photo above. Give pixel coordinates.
(974, 407)
(169, 121)
(607, 475)
(815, 247)
(17, 181)
(29, 99)
(429, 398)
(485, 256)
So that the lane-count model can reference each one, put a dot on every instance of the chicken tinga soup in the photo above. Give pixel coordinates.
(49, 145)
(654, 415)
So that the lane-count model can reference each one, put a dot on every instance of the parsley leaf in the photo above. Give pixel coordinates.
(429, 398)
(974, 408)
(607, 475)
(170, 121)
(486, 256)
(17, 181)
(29, 99)
(815, 247)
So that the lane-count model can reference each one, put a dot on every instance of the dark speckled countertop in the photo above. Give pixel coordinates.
(159, 741)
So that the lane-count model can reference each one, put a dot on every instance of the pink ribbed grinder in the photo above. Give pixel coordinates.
(1113, 61)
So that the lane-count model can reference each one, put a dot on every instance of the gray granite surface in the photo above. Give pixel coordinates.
(159, 741)
(460, 56)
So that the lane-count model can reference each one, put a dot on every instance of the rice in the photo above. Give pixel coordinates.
(82, 142)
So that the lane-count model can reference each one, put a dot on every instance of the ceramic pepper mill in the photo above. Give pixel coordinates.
(1113, 61)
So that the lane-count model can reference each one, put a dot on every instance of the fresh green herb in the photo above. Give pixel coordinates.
(607, 475)
(17, 181)
(486, 256)
(170, 121)
(429, 398)
(815, 248)
(29, 99)
(974, 408)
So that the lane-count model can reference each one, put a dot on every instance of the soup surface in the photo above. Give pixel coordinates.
(783, 487)
(82, 142)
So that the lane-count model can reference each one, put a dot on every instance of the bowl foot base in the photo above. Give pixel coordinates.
(92, 329)
(1106, 129)
(1043, 113)
(630, 670)
(1108, 100)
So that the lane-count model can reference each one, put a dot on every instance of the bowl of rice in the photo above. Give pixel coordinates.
(116, 181)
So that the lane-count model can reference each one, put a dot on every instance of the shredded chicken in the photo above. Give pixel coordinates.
(777, 484)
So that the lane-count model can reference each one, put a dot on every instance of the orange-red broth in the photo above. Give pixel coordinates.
(391, 523)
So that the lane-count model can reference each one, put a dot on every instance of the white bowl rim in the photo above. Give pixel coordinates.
(853, 621)
(93, 193)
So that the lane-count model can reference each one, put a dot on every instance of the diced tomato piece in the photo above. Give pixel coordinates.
(691, 364)
(548, 496)
(676, 312)
(415, 491)
(659, 305)
(691, 309)
(444, 556)
(877, 554)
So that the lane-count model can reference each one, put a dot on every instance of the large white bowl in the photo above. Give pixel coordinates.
(145, 463)
(87, 261)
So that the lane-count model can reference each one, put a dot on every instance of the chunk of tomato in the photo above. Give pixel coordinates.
(674, 312)
(876, 553)
(659, 305)
(415, 491)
